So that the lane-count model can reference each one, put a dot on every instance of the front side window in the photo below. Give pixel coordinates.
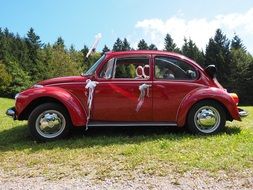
(126, 68)
(107, 70)
(94, 67)
(173, 69)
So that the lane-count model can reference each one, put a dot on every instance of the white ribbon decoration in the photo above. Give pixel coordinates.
(90, 85)
(94, 46)
(141, 98)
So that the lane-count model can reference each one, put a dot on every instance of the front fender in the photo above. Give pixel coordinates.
(76, 111)
(199, 94)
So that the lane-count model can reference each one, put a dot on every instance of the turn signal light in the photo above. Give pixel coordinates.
(235, 97)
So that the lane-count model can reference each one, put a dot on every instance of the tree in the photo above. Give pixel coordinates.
(85, 50)
(241, 67)
(34, 43)
(242, 75)
(34, 65)
(59, 43)
(152, 47)
(142, 45)
(118, 45)
(72, 48)
(218, 53)
(87, 63)
(105, 49)
(169, 44)
(125, 45)
(5, 78)
(20, 79)
(190, 50)
(236, 43)
(60, 63)
(33, 39)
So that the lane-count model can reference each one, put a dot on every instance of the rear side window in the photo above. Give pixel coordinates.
(173, 69)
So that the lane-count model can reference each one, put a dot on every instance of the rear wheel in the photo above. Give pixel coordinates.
(49, 121)
(206, 117)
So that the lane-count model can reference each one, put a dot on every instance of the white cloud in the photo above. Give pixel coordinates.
(198, 29)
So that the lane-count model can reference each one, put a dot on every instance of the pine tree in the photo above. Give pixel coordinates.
(236, 43)
(33, 39)
(35, 69)
(85, 50)
(218, 53)
(142, 45)
(241, 67)
(59, 43)
(190, 50)
(105, 49)
(72, 49)
(118, 45)
(169, 44)
(125, 45)
(242, 75)
(152, 47)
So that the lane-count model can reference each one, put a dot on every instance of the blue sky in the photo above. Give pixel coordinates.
(78, 21)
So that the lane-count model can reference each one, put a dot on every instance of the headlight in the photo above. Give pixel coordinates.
(16, 96)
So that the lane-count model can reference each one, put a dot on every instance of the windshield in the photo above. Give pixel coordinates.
(93, 68)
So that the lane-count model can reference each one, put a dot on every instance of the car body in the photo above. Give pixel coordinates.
(154, 88)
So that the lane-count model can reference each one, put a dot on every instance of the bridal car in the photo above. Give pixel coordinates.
(130, 88)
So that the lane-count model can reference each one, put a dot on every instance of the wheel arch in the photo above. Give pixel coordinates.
(207, 95)
(73, 113)
(24, 115)
(228, 115)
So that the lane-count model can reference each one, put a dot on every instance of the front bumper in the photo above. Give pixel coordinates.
(11, 112)
(242, 112)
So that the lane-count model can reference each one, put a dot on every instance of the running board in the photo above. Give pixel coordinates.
(130, 124)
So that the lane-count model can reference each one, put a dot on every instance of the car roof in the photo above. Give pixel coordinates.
(133, 52)
(152, 52)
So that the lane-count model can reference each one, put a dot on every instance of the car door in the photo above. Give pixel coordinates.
(173, 80)
(118, 96)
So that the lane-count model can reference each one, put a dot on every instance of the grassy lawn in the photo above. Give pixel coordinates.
(117, 152)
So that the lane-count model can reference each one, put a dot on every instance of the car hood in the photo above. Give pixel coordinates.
(59, 80)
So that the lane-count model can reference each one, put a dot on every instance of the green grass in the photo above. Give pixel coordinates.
(123, 152)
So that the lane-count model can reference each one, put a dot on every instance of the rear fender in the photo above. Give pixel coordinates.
(200, 94)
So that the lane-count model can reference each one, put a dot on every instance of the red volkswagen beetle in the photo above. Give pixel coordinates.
(140, 88)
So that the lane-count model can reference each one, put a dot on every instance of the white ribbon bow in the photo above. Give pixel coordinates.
(141, 98)
(90, 85)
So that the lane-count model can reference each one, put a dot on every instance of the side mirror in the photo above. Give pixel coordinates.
(211, 71)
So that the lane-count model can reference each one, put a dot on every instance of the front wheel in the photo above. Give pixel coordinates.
(49, 121)
(206, 117)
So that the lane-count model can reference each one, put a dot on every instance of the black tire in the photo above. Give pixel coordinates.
(206, 117)
(52, 116)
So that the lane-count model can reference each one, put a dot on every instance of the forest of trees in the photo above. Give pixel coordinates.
(26, 60)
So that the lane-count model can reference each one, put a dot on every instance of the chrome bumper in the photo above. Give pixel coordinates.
(242, 112)
(11, 112)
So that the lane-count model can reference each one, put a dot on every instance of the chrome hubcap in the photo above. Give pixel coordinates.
(50, 124)
(207, 119)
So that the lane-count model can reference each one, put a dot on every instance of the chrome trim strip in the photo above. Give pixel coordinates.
(131, 124)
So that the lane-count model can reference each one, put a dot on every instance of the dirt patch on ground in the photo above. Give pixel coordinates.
(188, 180)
